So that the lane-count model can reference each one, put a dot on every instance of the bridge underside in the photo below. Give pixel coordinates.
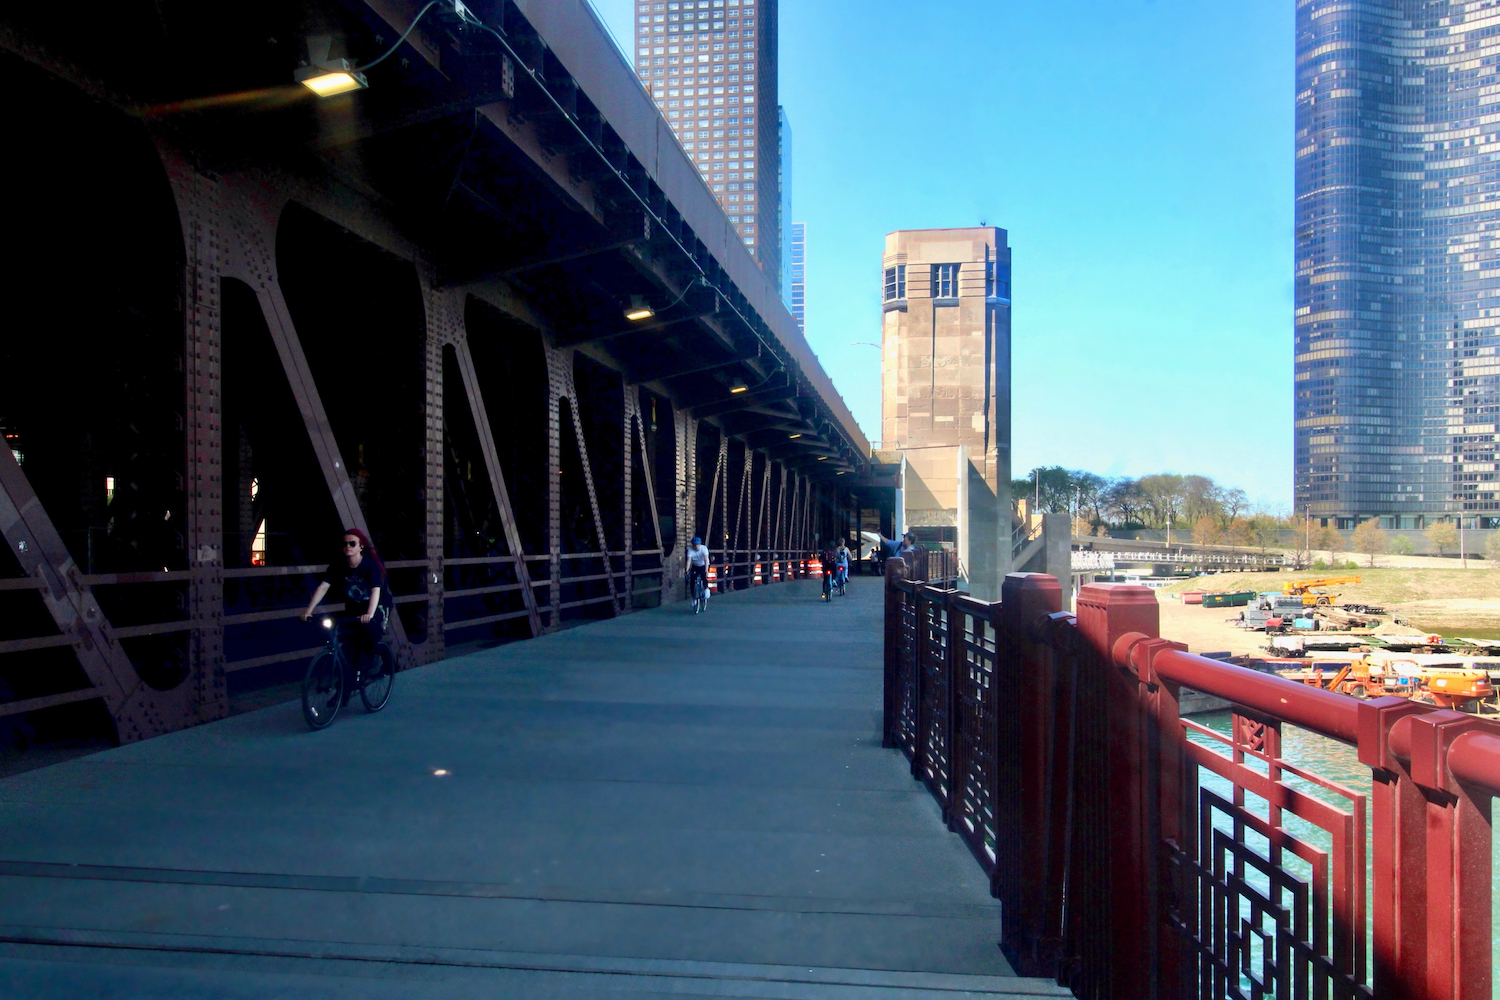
(242, 319)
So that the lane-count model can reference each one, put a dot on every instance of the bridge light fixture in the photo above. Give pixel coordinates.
(738, 387)
(822, 458)
(638, 309)
(337, 76)
(795, 436)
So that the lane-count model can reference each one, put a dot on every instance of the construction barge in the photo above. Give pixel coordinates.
(1358, 650)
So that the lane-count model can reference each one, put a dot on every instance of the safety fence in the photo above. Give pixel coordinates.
(1137, 854)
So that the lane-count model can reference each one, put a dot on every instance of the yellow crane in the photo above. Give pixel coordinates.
(1304, 589)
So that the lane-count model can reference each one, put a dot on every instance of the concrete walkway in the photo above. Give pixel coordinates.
(658, 805)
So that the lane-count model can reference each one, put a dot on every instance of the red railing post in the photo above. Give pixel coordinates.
(1431, 859)
(1168, 815)
(1397, 859)
(1106, 613)
(1026, 601)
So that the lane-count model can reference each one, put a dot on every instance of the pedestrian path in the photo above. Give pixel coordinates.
(657, 805)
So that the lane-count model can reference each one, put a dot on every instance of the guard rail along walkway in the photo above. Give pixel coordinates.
(1137, 854)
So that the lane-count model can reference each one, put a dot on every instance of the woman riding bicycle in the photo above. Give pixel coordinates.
(367, 595)
(697, 567)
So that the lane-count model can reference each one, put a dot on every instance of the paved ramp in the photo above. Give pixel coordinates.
(658, 805)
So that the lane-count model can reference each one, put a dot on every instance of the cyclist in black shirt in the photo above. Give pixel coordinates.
(366, 590)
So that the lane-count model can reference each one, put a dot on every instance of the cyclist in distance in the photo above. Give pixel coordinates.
(841, 566)
(366, 590)
(697, 567)
(827, 559)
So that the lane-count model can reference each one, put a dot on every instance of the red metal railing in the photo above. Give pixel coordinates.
(1140, 855)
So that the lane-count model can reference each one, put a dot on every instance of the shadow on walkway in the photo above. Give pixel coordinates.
(661, 804)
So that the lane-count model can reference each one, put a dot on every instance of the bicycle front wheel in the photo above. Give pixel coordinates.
(376, 690)
(322, 690)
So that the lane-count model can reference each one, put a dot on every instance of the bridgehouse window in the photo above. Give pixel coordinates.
(945, 281)
(895, 282)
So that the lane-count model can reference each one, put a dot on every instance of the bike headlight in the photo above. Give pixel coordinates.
(328, 623)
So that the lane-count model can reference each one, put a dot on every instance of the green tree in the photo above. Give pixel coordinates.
(1492, 549)
(1370, 539)
(1123, 500)
(1020, 489)
(1091, 495)
(1165, 494)
(1200, 499)
(1442, 536)
(1402, 545)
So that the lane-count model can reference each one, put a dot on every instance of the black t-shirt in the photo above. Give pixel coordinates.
(356, 584)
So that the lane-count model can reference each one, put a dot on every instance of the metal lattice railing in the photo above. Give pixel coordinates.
(1139, 854)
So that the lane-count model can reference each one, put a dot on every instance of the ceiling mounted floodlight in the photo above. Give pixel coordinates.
(327, 77)
(738, 386)
(822, 458)
(639, 309)
(795, 436)
(337, 76)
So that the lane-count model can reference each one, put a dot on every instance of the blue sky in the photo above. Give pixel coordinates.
(1139, 152)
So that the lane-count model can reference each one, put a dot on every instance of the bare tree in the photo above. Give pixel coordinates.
(1232, 503)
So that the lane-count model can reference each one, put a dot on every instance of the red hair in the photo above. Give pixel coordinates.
(366, 547)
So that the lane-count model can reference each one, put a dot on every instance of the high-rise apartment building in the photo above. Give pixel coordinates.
(784, 185)
(1397, 261)
(796, 254)
(711, 65)
(945, 391)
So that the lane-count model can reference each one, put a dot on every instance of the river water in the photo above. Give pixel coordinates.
(1335, 762)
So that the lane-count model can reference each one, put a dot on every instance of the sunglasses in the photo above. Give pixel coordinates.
(351, 545)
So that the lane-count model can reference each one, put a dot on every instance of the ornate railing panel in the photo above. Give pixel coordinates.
(1138, 854)
(931, 762)
(975, 700)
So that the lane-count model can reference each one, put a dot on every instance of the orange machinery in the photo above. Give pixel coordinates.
(1441, 679)
(1310, 596)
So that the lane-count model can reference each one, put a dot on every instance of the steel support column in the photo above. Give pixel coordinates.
(202, 235)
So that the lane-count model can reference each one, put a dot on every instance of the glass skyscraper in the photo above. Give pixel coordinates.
(797, 274)
(1397, 261)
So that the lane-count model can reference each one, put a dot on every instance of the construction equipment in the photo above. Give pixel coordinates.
(1306, 589)
(1441, 679)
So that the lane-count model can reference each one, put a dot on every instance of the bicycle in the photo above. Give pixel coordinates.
(330, 676)
(840, 577)
(700, 595)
